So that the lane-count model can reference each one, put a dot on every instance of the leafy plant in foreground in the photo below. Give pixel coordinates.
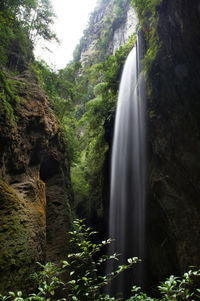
(48, 280)
(84, 283)
(175, 288)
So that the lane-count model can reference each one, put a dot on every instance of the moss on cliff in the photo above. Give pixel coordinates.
(16, 256)
(8, 98)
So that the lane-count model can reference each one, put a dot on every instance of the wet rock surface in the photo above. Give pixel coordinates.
(174, 142)
(35, 188)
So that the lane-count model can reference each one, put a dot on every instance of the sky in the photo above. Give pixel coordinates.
(72, 19)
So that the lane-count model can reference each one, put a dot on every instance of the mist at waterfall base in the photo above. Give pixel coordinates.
(127, 198)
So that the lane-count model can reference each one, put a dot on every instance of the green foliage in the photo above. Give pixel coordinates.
(148, 19)
(176, 288)
(62, 89)
(22, 22)
(85, 283)
(48, 281)
(138, 295)
(145, 7)
(46, 77)
(16, 48)
(80, 186)
(37, 20)
(35, 17)
(8, 98)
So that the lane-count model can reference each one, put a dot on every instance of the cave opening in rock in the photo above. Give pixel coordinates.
(48, 168)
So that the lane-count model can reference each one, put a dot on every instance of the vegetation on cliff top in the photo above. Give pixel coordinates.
(22, 22)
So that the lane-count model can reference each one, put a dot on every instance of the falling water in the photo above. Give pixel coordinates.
(127, 200)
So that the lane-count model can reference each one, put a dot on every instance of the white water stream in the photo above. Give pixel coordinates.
(127, 199)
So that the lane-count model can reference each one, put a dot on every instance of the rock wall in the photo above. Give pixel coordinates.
(123, 27)
(122, 34)
(35, 191)
(174, 142)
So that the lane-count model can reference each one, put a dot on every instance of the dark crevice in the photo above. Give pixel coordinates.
(48, 168)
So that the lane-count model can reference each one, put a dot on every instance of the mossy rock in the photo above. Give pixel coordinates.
(16, 258)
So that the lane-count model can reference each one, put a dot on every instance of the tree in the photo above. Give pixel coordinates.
(35, 17)
(38, 20)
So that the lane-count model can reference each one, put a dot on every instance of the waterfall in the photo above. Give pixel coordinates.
(127, 199)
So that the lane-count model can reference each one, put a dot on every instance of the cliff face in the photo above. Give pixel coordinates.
(122, 34)
(174, 141)
(34, 186)
(111, 25)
